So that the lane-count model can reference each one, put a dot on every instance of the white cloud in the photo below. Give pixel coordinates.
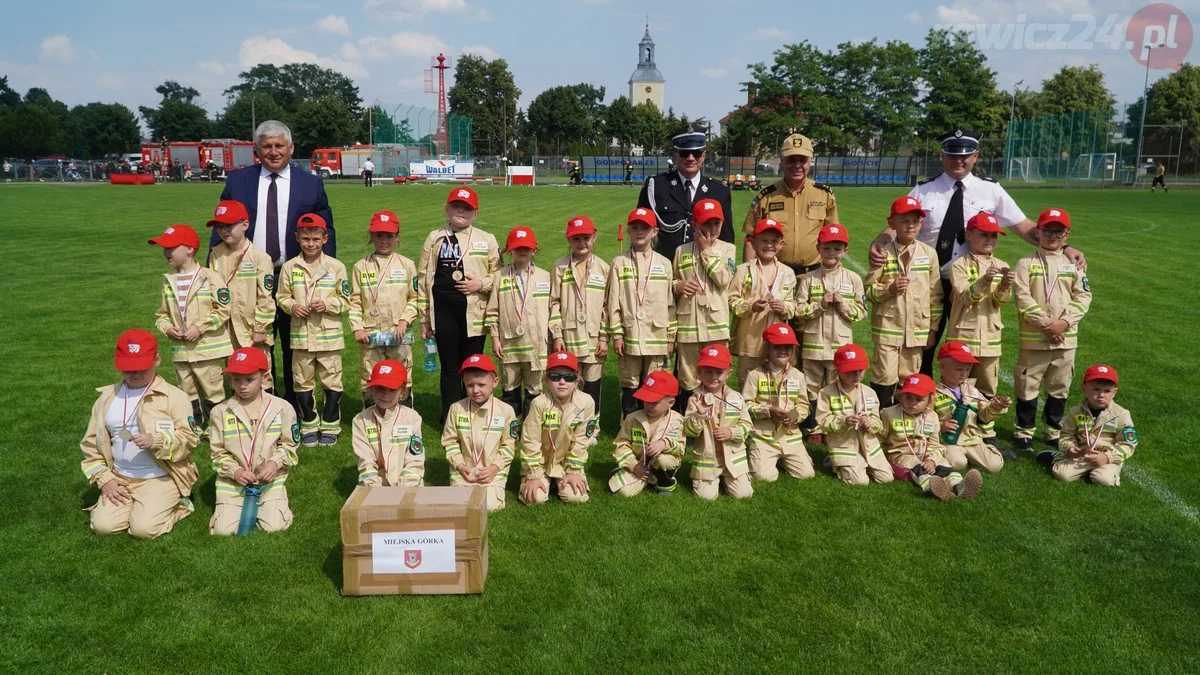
(381, 48)
(259, 49)
(771, 34)
(57, 48)
(411, 10)
(959, 12)
(112, 81)
(215, 67)
(912, 17)
(480, 50)
(333, 24)
(714, 73)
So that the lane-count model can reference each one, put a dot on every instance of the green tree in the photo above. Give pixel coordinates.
(791, 94)
(1174, 100)
(1074, 88)
(960, 89)
(177, 117)
(571, 113)
(105, 128)
(246, 111)
(29, 131)
(9, 97)
(292, 84)
(650, 128)
(173, 91)
(322, 122)
(485, 92)
(620, 122)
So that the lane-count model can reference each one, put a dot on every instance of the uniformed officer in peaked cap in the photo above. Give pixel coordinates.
(670, 194)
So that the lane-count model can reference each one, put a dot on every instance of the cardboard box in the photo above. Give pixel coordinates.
(408, 541)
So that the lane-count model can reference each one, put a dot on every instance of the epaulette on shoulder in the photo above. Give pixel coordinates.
(928, 180)
(823, 186)
(988, 179)
(767, 190)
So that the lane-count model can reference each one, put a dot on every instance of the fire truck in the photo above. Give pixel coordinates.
(226, 153)
(342, 162)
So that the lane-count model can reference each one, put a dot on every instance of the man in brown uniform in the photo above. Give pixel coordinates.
(798, 203)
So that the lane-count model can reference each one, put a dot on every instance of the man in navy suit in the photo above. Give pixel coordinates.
(670, 195)
(276, 194)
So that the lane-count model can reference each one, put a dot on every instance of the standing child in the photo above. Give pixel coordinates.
(777, 397)
(315, 291)
(249, 274)
(703, 270)
(641, 308)
(965, 411)
(906, 299)
(480, 433)
(719, 420)
(518, 317)
(578, 290)
(650, 444)
(848, 412)
(1052, 297)
(763, 292)
(387, 436)
(253, 437)
(383, 302)
(1098, 436)
(195, 314)
(556, 435)
(910, 436)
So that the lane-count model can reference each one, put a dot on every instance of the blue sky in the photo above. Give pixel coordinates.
(119, 51)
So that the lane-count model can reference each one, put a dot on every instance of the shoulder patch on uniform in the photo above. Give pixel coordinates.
(269, 282)
(767, 190)
(296, 432)
(1130, 435)
(192, 423)
(987, 178)
(417, 446)
(223, 296)
(514, 429)
(1086, 286)
(591, 428)
(732, 265)
(823, 186)
(346, 287)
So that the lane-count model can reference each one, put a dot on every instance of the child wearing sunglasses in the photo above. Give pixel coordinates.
(556, 434)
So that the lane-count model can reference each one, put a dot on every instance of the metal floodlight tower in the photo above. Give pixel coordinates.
(441, 64)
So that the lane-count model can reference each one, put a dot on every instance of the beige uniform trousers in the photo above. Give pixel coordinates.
(986, 374)
(308, 366)
(687, 354)
(889, 363)
(202, 379)
(634, 369)
(818, 374)
(369, 356)
(153, 512)
(496, 498)
(567, 494)
(634, 485)
(747, 364)
(273, 516)
(862, 470)
(737, 487)
(1053, 367)
(765, 460)
(975, 453)
(1069, 470)
(524, 373)
(591, 372)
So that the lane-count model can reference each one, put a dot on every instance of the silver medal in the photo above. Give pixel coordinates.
(456, 275)
(581, 317)
(519, 331)
(373, 312)
(641, 315)
(124, 434)
(709, 399)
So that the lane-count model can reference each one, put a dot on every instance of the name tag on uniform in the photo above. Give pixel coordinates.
(847, 288)
(598, 278)
(657, 269)
(248, 265)
(397, 274)
(479, 246)
(543, 286)
(162, 426)
(497, 421)
(1066, 267)
(920, 260)
(402, 430)
(775, 206)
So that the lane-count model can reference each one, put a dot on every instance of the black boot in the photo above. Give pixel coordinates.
(205, 412)
(513, 398)
(810, 423)
(306, 404)
(682, 399)
(1053, 411)
(331, 417)
(527, 403)
(884, 392)
(629, 404)
(197, 419)
(593, 389)
(1026, 414)
(665, 481)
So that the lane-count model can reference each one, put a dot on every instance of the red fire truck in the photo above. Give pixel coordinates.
(343, 162)
(226, 153)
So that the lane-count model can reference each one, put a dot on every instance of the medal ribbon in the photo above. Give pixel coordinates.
(262, 422)
(379, 278)
(701, 274)
(922, 441)
(311, 289)
(563, 416)
(580, 282)
(666, 425)
(1048, 287)
(470, 236)
(477, 450)
(523, 288)
(1087, 436)
(391, 430)
(125, 416)
(637, 279)
(237, 265)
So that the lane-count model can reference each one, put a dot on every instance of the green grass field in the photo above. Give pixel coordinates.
(1035, 575)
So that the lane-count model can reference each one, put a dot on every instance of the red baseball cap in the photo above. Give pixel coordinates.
(1059, 216)
(768, 224)
(834, 232)
(985, 222)
(706, 210)
(389, 374)
(780, 334)
(136, 350)
(228, 212)
(562, 360)
(246, 361)
(177, 235)
(580, 225)
(478, 362)
(850, 357)
(310, 221)
(715, 356)
(907, 205)
(1100, 372)
(918, 384)
(658, 385)
(520, 237)
(385, 221)
(465, 195)
(957, 350)
(643, 216)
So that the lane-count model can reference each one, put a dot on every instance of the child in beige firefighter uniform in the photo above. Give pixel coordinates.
(762, 293)
(138, 446)
(719, 420)
(906, 299)
(383, 301)
(910, 439)
(315, 291)
(1052, 297)
(848, 413)
(195, 314)
(703, 270)
(554, 439)
(777, 398)
(480, 434)
(1098, 436)
(249, 274)
(387, 436)
(518, 319)
(641, 308)
(650, 444)
(578, 289)
(964, 410)
(254, 437)
(981, 287)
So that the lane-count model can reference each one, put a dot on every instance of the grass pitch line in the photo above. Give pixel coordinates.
(1144, 480)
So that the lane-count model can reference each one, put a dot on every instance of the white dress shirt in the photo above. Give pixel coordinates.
(283, 188)
(694, 180)
(978, 196)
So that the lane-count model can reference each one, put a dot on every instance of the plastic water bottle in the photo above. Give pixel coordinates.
(431, 359)
(408, 337)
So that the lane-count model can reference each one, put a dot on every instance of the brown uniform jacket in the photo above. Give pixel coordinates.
(1112, 431)
(704, 318)
(502, 319)
(826, 329)
(711, 457)
(846, 442)
(399, 460)
(207, 309)
(554, 440)
(1070, 298)
(383, 291)
(250, 278)
(481, 259)
(904, 320)
(496, 436)
(629, 446)
(651, 275)
(802, 214)
(231, 433)
(975, 309)
(302, 282)
(909, 440)
(978, 411)
(788, 391)
(566, 279)
(749, 285)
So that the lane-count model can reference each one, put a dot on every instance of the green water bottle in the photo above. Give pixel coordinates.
(960, 416)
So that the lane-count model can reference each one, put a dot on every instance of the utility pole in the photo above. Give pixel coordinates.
(1012, 115)
(1137, 160)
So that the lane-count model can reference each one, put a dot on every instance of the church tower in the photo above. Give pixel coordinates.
(646, 83)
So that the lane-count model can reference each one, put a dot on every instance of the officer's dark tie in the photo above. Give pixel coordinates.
(952, 226)
(273, 220)
(687, 184)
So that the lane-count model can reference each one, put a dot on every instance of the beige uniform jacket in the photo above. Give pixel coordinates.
(240, 442)
(909, 440)
(975, 310)
(826, 328)
(554, 440)
(637, 432)
(711, 457)
(477, 437)
(750, 284)
(383, 292)
(1042, 274)
(1112, 432)
(523, 334)
(303, 282)
(481, 259)
(904, 320)
(802, 214)
(704, 317)
(846, 442)
(648, 275)
(789, 391)
(207, 309)
(250, 277)
(165, 413)
(978, 412)
(568, 281)
(389, 449)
